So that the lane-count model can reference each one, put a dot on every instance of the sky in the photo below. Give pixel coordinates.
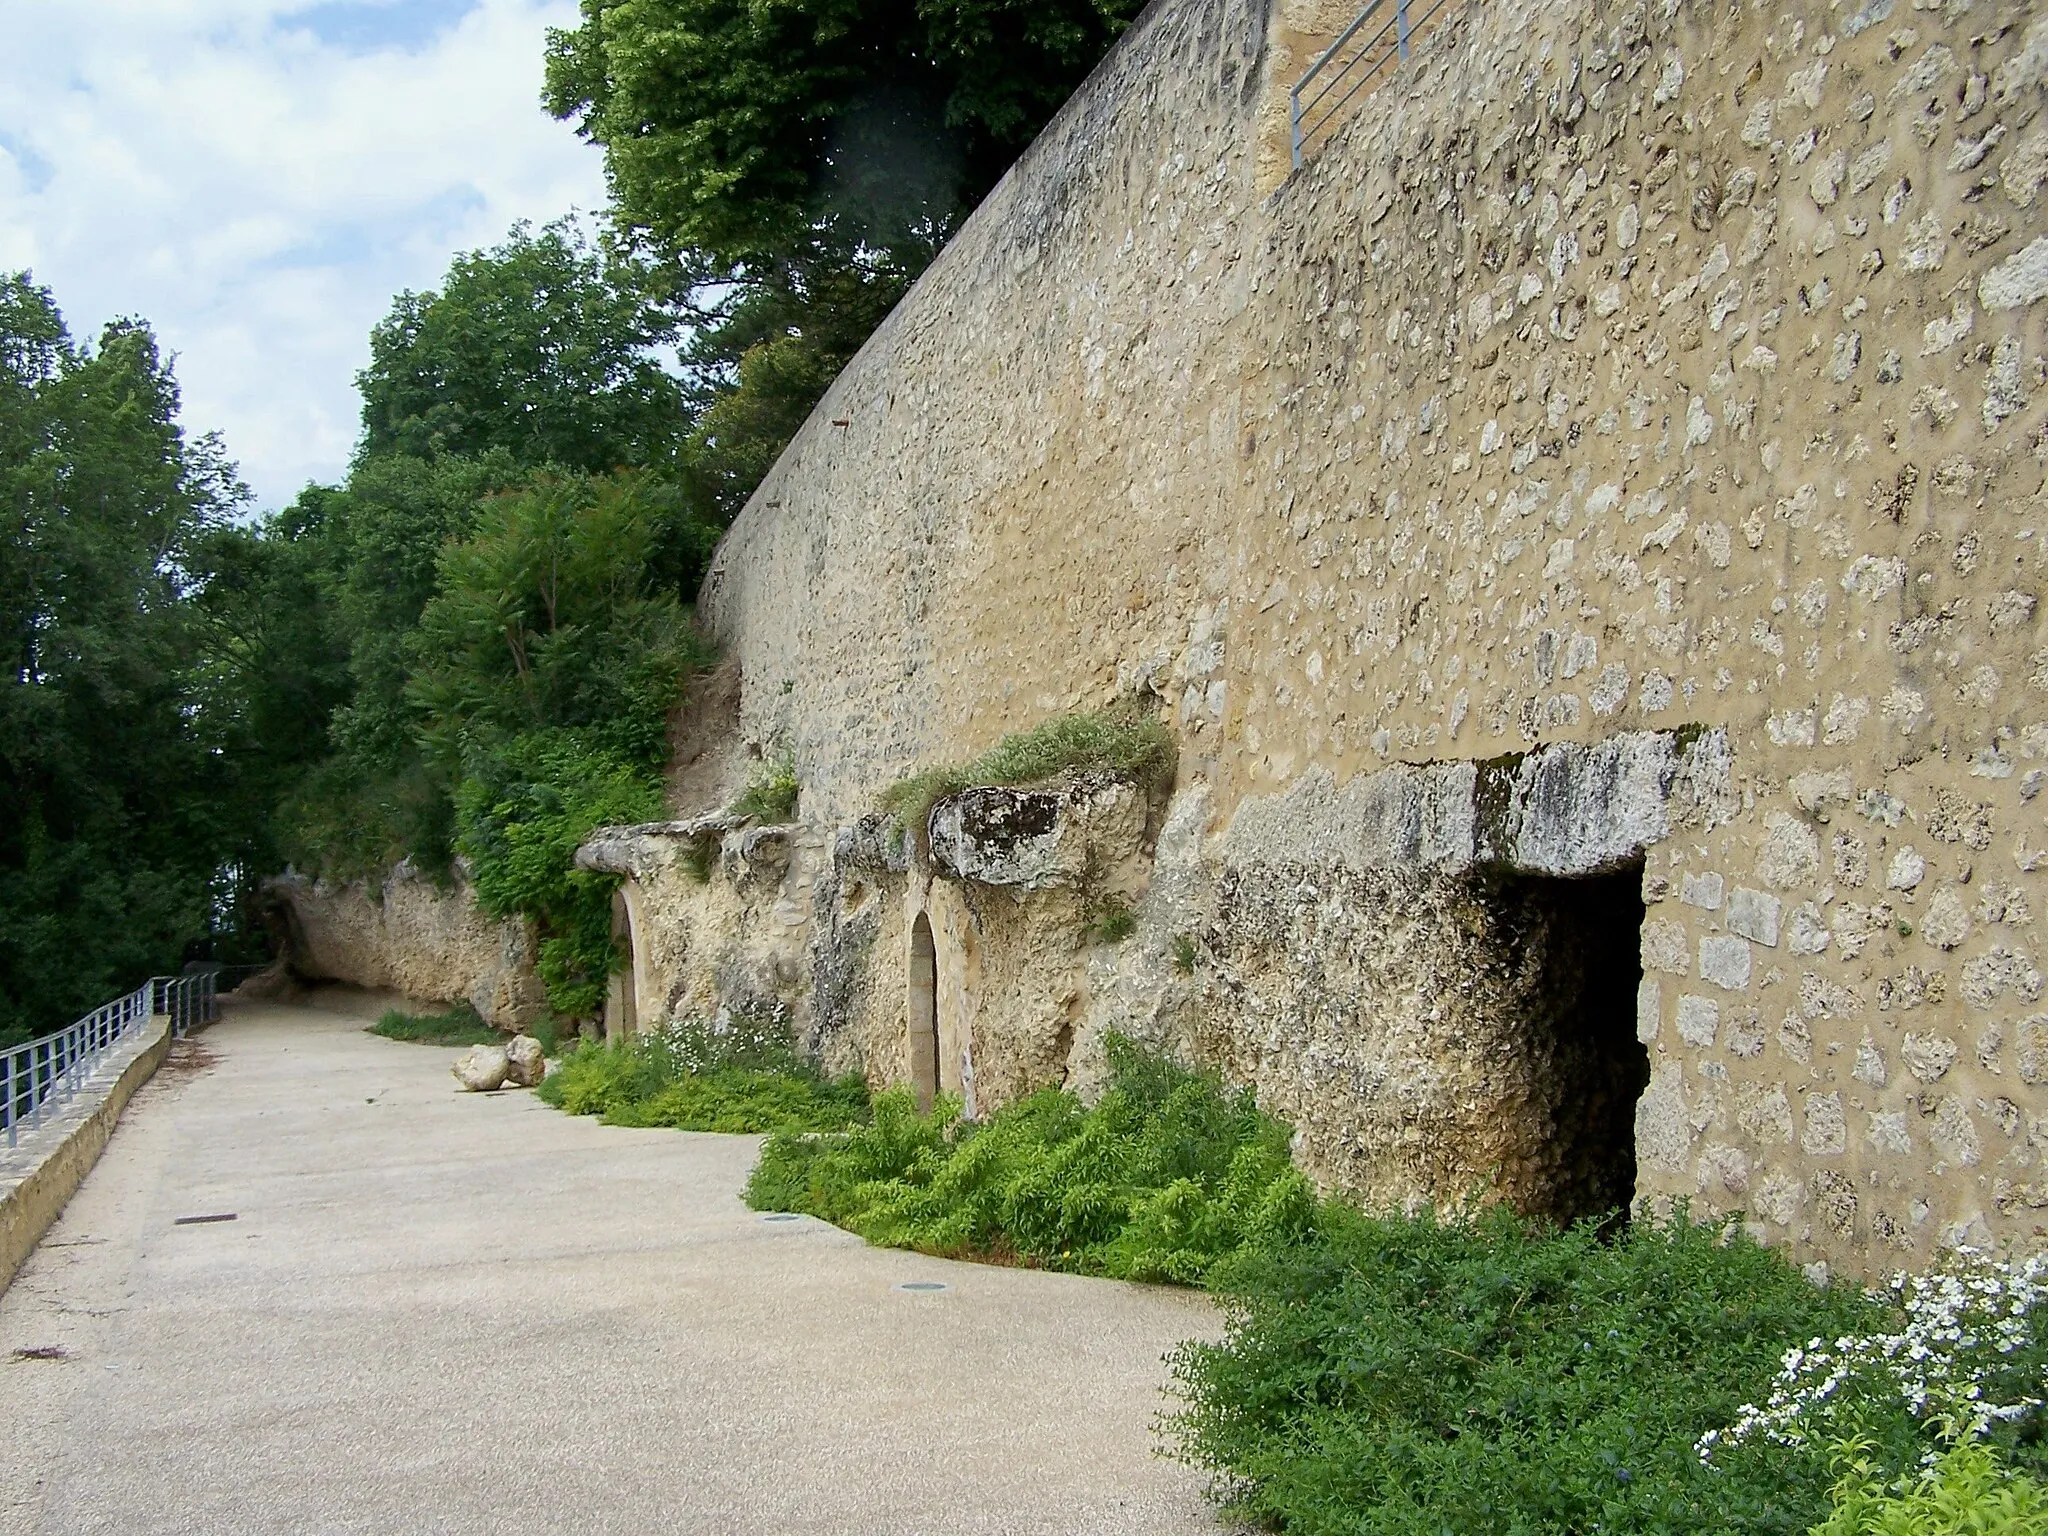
(258, 178)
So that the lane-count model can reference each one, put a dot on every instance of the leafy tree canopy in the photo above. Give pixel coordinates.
(536, 350)
(736, 127)
(785, 171)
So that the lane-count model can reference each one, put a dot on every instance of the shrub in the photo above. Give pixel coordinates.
(1125, 738)
(744, 1078)
(460, 1025)
(1966, 1491)
(1167, 1174)
(771, 797)
(1109, 920)
(1964, 1349)
(1421, 1375)
(521, 812)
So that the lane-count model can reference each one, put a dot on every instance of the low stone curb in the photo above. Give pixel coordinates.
(39, 1177)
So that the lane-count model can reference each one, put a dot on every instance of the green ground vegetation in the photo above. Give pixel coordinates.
(1412, 1375)
(1126, 738)
(1406, 1375)
(1968, 1490)
(460, 1025)
(1165, 1176)
(743, 1078)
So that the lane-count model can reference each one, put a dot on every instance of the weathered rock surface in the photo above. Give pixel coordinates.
(483, 1068)
(405, 934)
(1037, 838)
(525, 1062)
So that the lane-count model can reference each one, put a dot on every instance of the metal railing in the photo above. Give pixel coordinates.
(39, 1077)
(1352, 63)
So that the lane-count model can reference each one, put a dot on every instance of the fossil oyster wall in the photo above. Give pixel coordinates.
(1620, 368)
(406, 934)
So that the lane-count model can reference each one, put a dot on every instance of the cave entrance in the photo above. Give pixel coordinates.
(1577, 944)
(622, 999)
(924, 1012)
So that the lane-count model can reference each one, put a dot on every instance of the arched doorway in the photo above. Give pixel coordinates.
(622, 999)
(924, 1012)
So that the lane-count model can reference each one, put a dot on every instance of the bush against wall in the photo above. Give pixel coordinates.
(740, 1076)
(1415, 1375)
(1474, 1371)
(1168, 1173)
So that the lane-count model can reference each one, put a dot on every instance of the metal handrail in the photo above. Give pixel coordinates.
(41, 1075)
(1355, 50)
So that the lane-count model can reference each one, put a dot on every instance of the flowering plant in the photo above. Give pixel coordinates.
(1960, 1360)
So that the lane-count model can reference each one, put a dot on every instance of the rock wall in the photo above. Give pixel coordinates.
(408, 935)
(1617, 371)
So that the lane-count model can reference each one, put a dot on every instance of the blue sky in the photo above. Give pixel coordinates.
(257, 178)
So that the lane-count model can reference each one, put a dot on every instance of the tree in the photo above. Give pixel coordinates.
(785, 172)
(536, 350)
(112, 836)
(736, 129)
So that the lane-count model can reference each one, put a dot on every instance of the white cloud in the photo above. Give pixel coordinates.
(257, 178)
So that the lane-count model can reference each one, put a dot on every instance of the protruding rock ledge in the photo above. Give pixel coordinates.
(1565, 809)
(1038, 838)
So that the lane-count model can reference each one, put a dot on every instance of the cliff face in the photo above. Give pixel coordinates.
(410, 936)
(1585, 531)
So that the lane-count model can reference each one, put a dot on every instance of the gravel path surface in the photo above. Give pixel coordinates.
(446, 1312)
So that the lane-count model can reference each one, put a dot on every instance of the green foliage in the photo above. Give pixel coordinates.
(770, 798)
(1164, 1177)
(746, 1078)
(786, 172)
(1125, 738)
(738, 129)
(1109, 920)
(521, 811)
(1420, 1375)
(1184, 954)
(1966, 1491)
(545, 617)
(487, 567)
(120, 832)
(460, 1025)
(541, 349)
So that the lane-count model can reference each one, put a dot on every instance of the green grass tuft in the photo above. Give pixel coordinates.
(1170, 1172)
(1125, 738)
(460, 1025)
(1109, 920)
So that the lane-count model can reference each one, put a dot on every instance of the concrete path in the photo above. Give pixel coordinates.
(439, 1312)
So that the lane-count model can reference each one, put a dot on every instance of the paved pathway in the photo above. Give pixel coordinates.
(439, 1312)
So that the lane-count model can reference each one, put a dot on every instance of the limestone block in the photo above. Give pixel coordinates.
(1037, 839)
(482, 1068)
(1754, 915)
(525, 1062)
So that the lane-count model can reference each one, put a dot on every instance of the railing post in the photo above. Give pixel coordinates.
(1294, 123)
(1401, 27)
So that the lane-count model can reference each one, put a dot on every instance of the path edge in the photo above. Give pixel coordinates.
(31, 1202)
